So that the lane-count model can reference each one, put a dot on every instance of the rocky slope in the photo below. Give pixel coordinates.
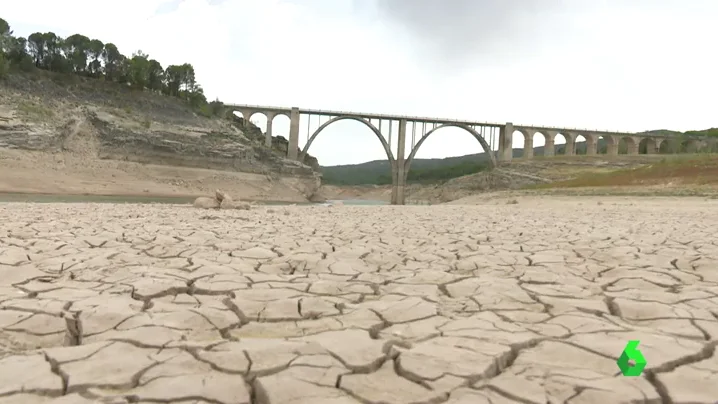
(508, 176)
(69, 127)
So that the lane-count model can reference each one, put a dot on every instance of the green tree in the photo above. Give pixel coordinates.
(54, 58)
(5, 40)
(94, 50)
(189, 82)
(80, 55)
(122, 74)
(17, 54)
(5, 36)
(173, 79)
(36, 48)
(139, 70)
(155, 76)
(216, 107)
(77, 50)
(197, 98)
(112, 59)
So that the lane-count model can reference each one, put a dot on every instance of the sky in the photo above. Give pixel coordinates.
(623, 65)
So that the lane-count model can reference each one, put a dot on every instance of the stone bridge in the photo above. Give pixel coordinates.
(496, 139)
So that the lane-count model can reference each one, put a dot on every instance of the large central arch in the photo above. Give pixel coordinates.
(472, 131)
(373, 128)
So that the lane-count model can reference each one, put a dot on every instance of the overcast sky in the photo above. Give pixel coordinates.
(628, 65)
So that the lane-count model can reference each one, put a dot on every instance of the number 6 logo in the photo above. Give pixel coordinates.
(631, 353)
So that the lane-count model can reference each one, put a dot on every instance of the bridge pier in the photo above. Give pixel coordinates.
(398, 169)
(591, 144)
(612, 148)
(528, 148)
(293, 147)
(570, 144)
(268, 135)
(549, 148)
(653, 146)
(506, 142)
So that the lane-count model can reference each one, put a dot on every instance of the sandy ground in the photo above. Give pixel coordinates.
(76, 174)
(531, 302)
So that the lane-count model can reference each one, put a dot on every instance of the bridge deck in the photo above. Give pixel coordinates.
(423, 119)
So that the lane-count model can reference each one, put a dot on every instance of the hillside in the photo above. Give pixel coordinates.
(78, 117)
(428, 171)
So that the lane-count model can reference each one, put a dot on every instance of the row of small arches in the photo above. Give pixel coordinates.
(534, 144)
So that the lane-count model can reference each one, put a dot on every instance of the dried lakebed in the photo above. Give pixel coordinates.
(502, 304)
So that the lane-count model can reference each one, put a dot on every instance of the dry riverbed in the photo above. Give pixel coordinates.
(525, 302)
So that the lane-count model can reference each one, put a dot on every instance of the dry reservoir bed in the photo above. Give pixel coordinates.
(526, 303)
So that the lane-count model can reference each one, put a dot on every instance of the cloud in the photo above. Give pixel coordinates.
(603, 64)
(460, 31)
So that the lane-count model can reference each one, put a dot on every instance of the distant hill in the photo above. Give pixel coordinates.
(378, 172)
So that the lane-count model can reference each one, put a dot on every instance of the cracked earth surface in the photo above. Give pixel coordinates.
(348, 305)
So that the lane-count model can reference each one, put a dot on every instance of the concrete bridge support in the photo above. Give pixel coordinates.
(247, 116)
(591, 144)
(268, 135)
(570, 147)
(398, 169)
(293, 147)
(506, 142)
(528, 145)
(549, 148)
(632, 145)
(653, 146)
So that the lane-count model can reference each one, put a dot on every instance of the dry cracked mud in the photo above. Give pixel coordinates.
(501, 304)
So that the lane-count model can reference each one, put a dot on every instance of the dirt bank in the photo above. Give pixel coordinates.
(61, 135)
(643, 175)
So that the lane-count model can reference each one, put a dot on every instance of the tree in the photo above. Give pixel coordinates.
(122, 73)
(36, 47)
(197, 98)
(217, 107)
(4, 27)
(139, 70)
(54, 58)
(5, 36)
(78, 54)
(155, 76)
(5, 39)
(94, 50)
(173, 79)
(77, 48)
(112, 59)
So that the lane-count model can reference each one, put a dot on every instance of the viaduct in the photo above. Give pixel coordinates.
(489, 135)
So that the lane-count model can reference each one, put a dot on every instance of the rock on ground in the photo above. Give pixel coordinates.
(221, 200)
(525, 303)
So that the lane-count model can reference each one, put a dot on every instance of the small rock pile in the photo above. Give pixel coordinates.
(221, 200)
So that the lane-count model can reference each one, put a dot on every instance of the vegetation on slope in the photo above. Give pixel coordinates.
(378, 172)
(87, 57)
(422, 172)
(684, 170)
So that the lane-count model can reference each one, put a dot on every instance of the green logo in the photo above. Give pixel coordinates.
(631, 353)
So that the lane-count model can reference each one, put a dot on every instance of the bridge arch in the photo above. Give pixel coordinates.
(565, 147)
(582, 144)
(690, 146)
(547, 148)
(371, 126)
(607, 144)
(649, 145)
(628, 145)
(473, 132)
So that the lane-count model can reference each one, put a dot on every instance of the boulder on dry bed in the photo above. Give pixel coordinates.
(221, 200)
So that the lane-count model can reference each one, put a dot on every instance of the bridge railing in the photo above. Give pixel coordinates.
(324, 112)
(259, 108)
